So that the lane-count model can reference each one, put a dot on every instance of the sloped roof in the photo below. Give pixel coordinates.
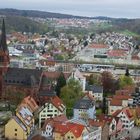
(95, 88)
(117, 53)
(57, 102)
(31, 103)
(21, 124)
(115, 102)
(64, 126)
(55, 75)
(98, 46)
(122, 97)
(96, 123)
(83, 104)
(22, 77)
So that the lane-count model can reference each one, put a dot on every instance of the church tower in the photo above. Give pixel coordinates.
(4, 56)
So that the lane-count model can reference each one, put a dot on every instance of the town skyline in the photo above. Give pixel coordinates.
(109, 8)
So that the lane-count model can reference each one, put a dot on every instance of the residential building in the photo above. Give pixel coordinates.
(15, 129)
(96, 91)
(84, 109)
(51, 108)
(126, 117)
(22, 125)
(63, 129)
(119, 101)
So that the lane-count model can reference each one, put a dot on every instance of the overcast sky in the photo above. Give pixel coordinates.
(110, 8)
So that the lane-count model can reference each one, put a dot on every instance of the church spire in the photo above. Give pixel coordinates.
(3, 44)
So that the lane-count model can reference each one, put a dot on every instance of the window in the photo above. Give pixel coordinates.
(15, 134)
(15, 129)
(68, 137)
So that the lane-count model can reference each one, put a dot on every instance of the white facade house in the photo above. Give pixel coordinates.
(51, 109)
(84, 109)
(96, 91)
(127, 118)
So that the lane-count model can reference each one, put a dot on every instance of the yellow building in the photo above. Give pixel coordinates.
(136, 114)
(19, 127)
(15, 129)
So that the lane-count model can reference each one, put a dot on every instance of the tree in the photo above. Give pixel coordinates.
(61, 82)
(94, 79)
(70, 94)
(125, 81)
(108, 82)
(127, 72)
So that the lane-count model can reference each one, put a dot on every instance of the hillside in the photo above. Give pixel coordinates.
(34, 13)
(21, 20)
(23, 24)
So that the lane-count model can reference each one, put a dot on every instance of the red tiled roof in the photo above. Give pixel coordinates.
(57, 102)
(122, 92)
(125, 110)
(65, 127)
(115, 102)
(55, 75)
(122, 97)
(105, 118)
(30, 103)
(76, 129)
(61, 118)
(96, 123)
(115, 114)
(98, 46)
(117, 53)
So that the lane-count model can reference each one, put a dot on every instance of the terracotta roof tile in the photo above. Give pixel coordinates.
(31, 104)
(115, 102)
(117, 53)
(98, 46)
(57, 102)
(55, 75)
(122, 97)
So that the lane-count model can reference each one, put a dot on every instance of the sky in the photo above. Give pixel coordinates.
(91, 8)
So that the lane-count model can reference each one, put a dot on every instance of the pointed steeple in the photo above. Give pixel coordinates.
(3, 44)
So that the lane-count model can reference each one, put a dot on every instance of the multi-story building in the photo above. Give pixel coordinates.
(96, 91)
(85, 108)
(61, 128)
(52, 108)
(21, 125)
(126, 117)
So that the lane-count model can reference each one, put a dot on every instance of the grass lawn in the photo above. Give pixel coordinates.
(129, 33)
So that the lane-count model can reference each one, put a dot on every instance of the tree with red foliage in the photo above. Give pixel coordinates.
(108, 82)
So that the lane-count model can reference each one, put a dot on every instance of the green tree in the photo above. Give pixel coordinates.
(125, 81)
(94, 79)
(70, 94)
(61, 82)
